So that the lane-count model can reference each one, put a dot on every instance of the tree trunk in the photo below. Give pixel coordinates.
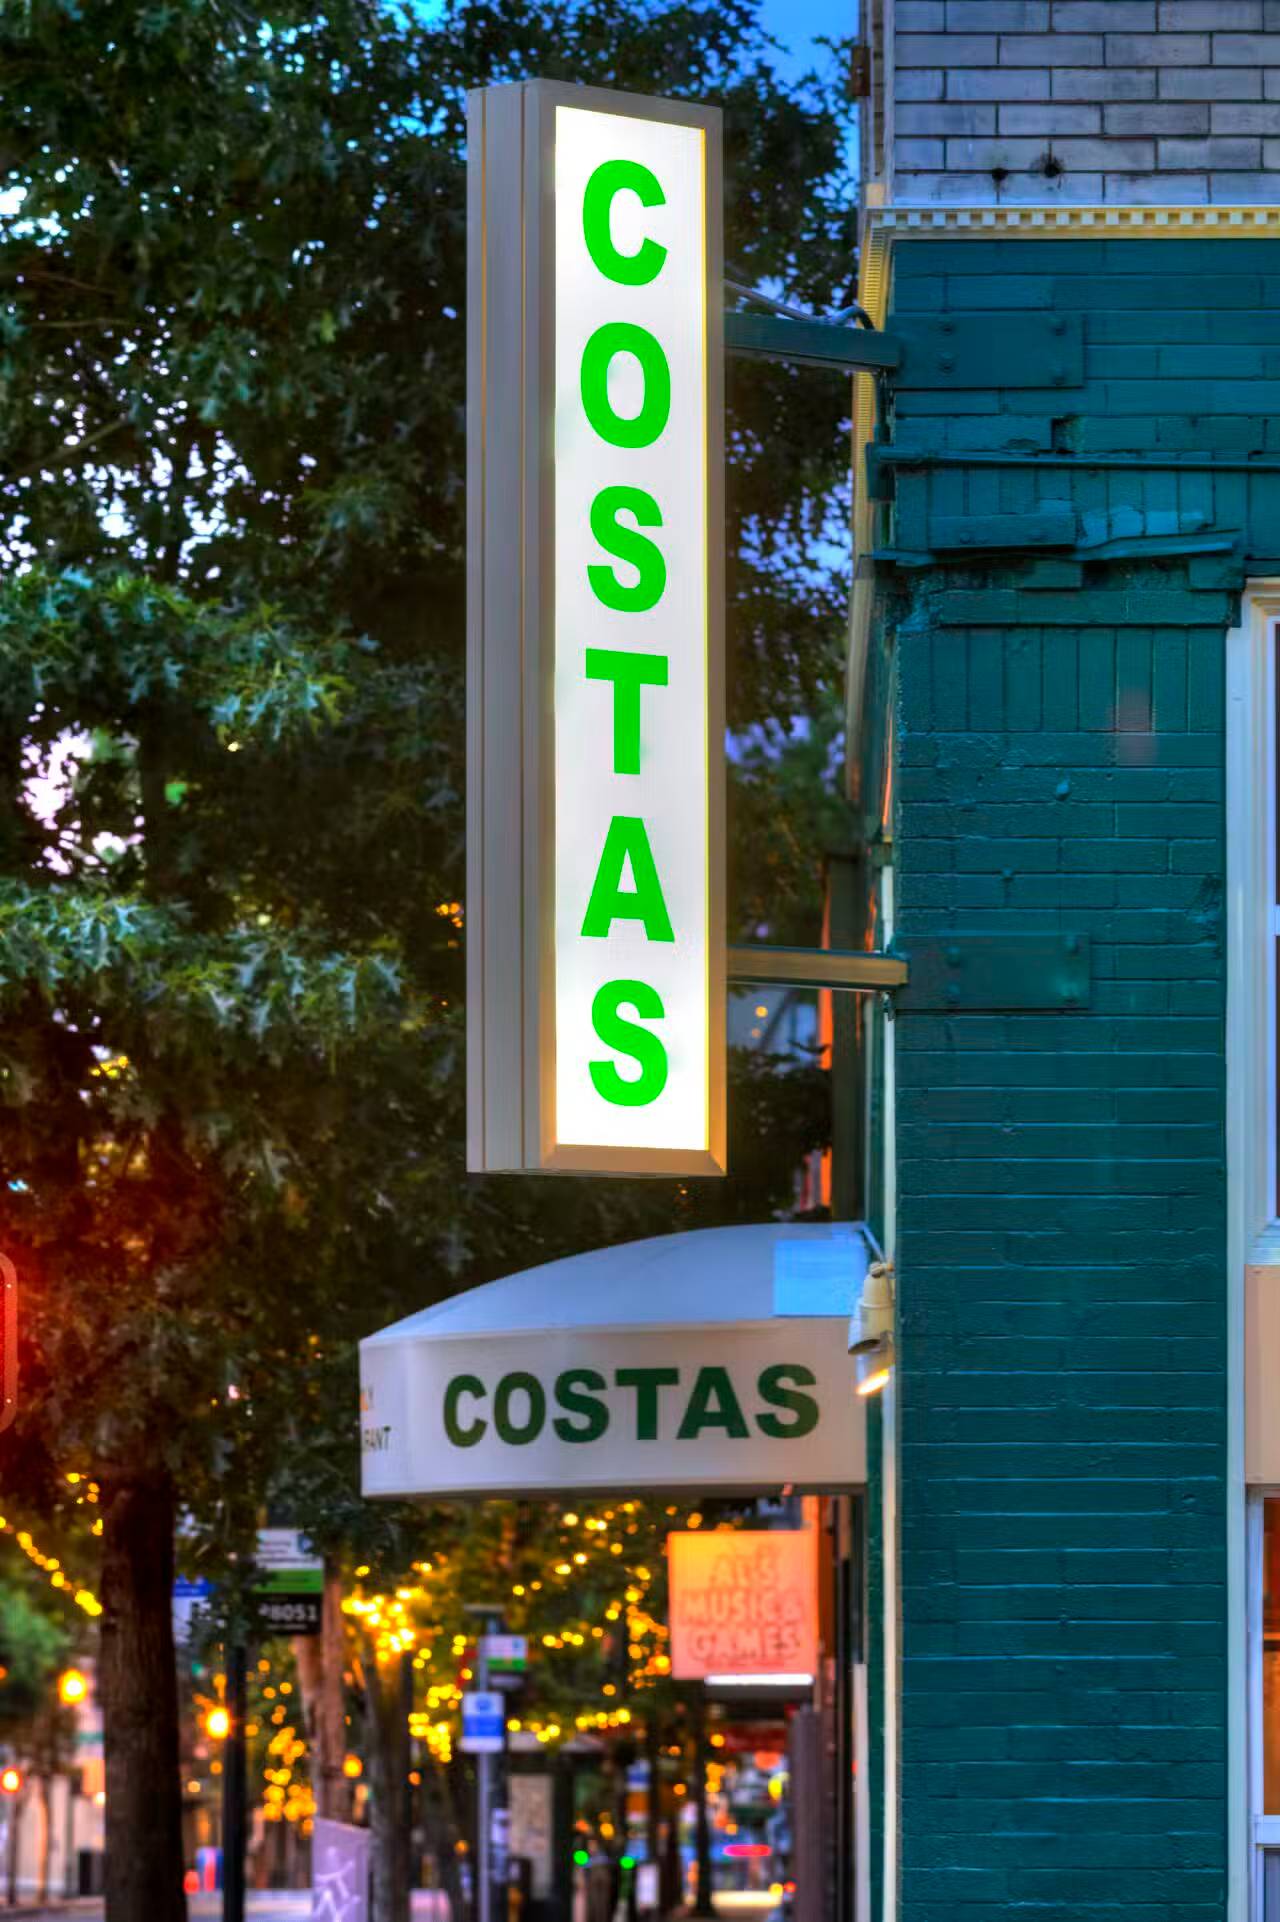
(321, 1659)
(46, 1841)
(138, 1690)
(12, 1836)
(442, 1831)
(388, 1731)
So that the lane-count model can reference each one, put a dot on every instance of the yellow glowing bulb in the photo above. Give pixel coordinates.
(874, 1383)
(352, 1767)
(217, 1724)
(73, 1686)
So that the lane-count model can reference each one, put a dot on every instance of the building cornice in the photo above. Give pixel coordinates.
(1091, 223)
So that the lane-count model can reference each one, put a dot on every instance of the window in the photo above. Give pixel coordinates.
(1271, 1659)
(1264, 1678)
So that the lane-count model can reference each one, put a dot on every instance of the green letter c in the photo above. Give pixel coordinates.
(474, 1431)
(616, 177)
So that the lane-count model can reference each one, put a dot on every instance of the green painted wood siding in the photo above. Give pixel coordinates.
(1061, 1217)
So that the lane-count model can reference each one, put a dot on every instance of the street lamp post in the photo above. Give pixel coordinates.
(234, 1824)
(490, 1786)
(702, 1902)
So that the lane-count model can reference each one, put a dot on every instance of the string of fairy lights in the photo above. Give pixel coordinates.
(88, 1494)
(391, 1620)
(399, 1622)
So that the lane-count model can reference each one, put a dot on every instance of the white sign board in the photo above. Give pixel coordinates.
(507, 1654)
(745, 1406)
(532, 1833)
(287, 1549)
(339, 1872)
(595, 940)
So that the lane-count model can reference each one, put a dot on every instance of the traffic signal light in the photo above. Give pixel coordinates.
(73, 1686)
(10, 1780)
(8, 1341)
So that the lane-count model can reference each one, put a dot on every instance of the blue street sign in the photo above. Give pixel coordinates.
(484, 1721)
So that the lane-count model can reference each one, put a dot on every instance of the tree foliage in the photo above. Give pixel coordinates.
(232, 242)
(33, 1642)
(231, 520)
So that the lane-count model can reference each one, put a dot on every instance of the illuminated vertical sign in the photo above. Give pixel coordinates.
(595, 613)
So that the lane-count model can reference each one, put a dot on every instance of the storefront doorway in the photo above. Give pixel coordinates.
(713, 1363)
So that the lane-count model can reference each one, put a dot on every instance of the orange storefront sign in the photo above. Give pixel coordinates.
(744, 1603)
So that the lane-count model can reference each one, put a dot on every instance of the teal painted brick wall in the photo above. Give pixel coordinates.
(1061, 1213)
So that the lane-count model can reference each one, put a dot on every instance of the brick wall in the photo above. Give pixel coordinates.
(1084, 102)
(1061, 1243)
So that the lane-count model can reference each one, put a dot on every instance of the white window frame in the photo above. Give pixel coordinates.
(1253, 919)
(1266, 852)
(1254, 1238)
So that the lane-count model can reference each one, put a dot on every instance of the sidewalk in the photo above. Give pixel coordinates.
(263, 1905)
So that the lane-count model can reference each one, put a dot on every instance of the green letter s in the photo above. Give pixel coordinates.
(616, 177)
(628, 1038)
(572, 1394)
(626, 544)
(462, 1437)
(775, 1387)
(624, 337)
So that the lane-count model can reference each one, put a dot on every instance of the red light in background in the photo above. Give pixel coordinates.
(739, 1849)
(8, 1341)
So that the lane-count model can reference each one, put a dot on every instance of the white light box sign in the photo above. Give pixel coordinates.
(595, 924)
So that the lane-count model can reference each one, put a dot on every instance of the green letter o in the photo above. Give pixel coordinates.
(624, 337)
(511, 1385)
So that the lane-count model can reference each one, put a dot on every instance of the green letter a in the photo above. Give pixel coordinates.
(627, 841)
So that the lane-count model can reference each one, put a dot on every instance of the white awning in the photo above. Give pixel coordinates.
(709, 1361)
